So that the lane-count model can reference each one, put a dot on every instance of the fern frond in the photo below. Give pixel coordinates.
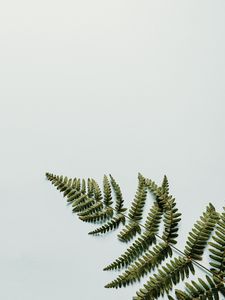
(143, 242)
(129, 231)
(179, 267)
(112, 224)
(201, 290)
(107, 192)
(153, 218)
(90, 188)
(218, 248)
(118, 194)
(135, 214)
(142, 266)
(167, 276)
(140, 245)
(171, 221)
(165, 185)
(83, 186)
(198, 237)
(78, 184)
(102, 215)
(96, 207)
(77, 199)
(97, 191)
(84, 205)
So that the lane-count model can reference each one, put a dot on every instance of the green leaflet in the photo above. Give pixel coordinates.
(143, 242)
(142, 266)
(112, 224)
(135, 213)
(217, 249)
(146, 254)
(206, 289)
(178, 268)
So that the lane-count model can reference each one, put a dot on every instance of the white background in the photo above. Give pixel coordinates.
(95, 87)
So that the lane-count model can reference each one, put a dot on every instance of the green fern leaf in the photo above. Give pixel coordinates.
(107, 192)
(118, 194)
(112, 224)
(100, 216)
(96, 207)
(200, 290)
(167, 276)
(143, 242)
(142, 266)
(135, 214)
(218, 248)
(198, 237)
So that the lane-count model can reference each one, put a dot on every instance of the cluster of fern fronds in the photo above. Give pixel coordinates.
(147, 253)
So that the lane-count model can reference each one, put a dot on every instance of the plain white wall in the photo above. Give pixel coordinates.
(95, 87)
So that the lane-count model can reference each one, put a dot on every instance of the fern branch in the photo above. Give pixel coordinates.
(107, 192)
(141, 244)
(167, 276)
(218, 248)
(177, 268)
(112, 224)
(135, 214)
(103, 215)
(96, 207)
(118, 194)
(201, 290)
(198, 237)
(84, 205)
(142, 266)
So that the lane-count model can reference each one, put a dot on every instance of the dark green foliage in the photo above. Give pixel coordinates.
(112, 224)
(171, 221)
(207, 289)
(143, 242)
(142, 266)
(91, 205)
(179, 267)
(96, 207)
(217, 249)
(198, 237)
(100, 216)
(119, 197)
(135, 213)
(84, 205)
(167, 276)
(107, 192)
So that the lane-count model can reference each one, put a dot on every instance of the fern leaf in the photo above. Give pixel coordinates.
(97, 191)
(107, 191)
(135, 214)
(198, 237)
(84, 205)
(218, 248)
(129, 231)
(103, 215)
(112, 224)
(179, 267)
(201, 290)
(77, 199)
(90, 188)
(167, 276)
(143, 242)
(171, 221)
(96, 207)
(83, 186)
(118, 194)
(142, 266)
